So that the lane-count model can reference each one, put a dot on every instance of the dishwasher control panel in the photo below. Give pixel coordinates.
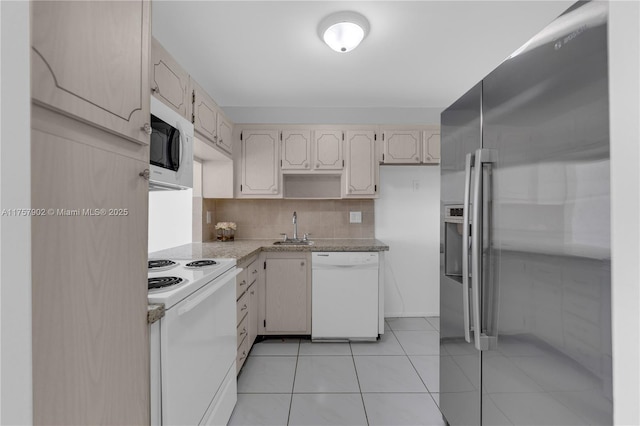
(344, 259)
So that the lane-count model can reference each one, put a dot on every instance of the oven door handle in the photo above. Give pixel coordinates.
(189, 304)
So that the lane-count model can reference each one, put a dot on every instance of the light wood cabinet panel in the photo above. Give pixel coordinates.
(260, 163)
(361, 168)
(169, 81)
(287, 294)
(89, 285)
(90, 60)
(402, 146)
(296, 149)
(328, 150)
(431, 146)
(253, 314)
(204, 113)
(225, 131)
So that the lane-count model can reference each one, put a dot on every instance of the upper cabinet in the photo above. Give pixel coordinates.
(402, 146)
(296, 149)
(208, 120)
(204, 115)
(361, 169)
(101, 74)
(260, 171)
(431, 146)
(417, 145)
(225, 131)
(328, 150)
(169, 81)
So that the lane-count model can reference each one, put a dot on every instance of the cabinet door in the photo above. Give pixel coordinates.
(260, 162)
(328, 150)
(431, 143)
(296, 149)
(204, 113)
(225, 130)
(361, 168)
(90, 60)
(287, 295)
(402, 146)
(90, 332)
(253, 314)
(169, 81)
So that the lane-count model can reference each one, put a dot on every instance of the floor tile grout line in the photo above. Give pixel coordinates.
(295, 372)
(364, 407)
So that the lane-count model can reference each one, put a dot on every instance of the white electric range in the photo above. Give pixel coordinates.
(196, 339)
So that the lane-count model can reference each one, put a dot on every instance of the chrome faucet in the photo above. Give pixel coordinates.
(295, 226)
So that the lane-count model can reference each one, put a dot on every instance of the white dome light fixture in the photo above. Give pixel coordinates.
(343, 31)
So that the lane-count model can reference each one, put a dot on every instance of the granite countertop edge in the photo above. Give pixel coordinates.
(242, 250)
(155, 311)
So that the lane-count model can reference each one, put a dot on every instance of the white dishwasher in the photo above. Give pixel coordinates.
(344, 296)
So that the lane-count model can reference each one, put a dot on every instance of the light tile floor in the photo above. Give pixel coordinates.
(390, 382)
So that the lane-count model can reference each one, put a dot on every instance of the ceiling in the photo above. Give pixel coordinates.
(418, 54)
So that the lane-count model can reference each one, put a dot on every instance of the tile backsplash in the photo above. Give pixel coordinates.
(269, 218)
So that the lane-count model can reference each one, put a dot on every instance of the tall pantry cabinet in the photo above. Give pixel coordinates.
(90, 148)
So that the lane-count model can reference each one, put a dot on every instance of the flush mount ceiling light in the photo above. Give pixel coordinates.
(343, 31)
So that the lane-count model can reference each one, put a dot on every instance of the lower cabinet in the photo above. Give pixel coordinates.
(287, 293)
(246, 308)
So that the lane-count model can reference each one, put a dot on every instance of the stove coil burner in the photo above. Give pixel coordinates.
(200, 264)
(160, 263)
(161, 282)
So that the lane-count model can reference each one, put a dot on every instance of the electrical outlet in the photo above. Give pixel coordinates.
(208, 218)
(355, 217)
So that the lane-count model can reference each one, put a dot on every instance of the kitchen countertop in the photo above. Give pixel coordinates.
(242, 250)
(155, 311)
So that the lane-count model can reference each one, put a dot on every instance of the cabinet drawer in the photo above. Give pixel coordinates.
(241, 283)
(252, 272)
(243, 307)
(243, 352)
(243, 329)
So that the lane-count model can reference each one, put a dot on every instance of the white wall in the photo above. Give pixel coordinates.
(624, 69)
(280, 115)
(170, 219)
(15, 189)
(408, 220)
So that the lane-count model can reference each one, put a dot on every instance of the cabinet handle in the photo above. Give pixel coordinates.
(306, 165)
(417, 158)
(155, 89)
(243, 282)
(147, 129)
(317, 165)
(244, 308)
(221, 141)
(243, 332)
(253, 292)
(145, 174)
(215, 138)
(301, 263)
(255, 271)
(244, 355)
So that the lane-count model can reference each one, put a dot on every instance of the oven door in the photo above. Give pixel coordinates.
(198, 346)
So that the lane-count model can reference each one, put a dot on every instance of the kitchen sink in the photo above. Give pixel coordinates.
(294, 243)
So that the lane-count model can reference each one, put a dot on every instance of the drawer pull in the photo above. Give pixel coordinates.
(255, 271)
(244, 355)
(243, 332)
(243, 282)
(253, 292)
(244, 307)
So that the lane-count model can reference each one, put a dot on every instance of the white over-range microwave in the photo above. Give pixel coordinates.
(171, 150)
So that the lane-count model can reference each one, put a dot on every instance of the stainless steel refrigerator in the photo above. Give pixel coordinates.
(525, 298)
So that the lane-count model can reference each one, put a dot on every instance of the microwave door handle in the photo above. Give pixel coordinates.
(470, 159)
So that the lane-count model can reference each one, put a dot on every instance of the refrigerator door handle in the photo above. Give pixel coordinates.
(482, 156)
(470, 159)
